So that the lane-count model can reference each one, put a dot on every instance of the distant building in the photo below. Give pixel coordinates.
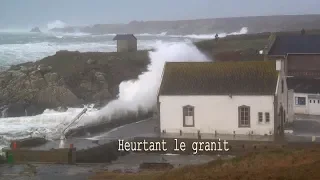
(242, 98)
(301, 56)
(304, 95)
(303, 78)
(126, 42)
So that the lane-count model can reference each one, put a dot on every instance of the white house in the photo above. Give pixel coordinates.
(223, 97)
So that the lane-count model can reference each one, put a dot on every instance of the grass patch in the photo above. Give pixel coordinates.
(280, 164)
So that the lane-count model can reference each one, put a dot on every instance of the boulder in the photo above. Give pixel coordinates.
(27, 69)
(33, 110)
(35, 74)
(86, 85)
(44, 68)
(61, 109)
(100, 76)
(56, 96)
(51, 78)
(38, 83)
(91, 61)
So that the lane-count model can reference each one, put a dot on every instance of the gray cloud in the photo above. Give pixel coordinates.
(17, 13)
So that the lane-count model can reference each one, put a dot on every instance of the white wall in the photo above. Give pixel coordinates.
(283, 97)
(218, 113)
(291, 104)
(300, 109)
(310, 108)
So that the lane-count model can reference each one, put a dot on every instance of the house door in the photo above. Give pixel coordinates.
(314, 106)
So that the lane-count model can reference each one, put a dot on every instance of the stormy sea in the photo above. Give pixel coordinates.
(20, 46)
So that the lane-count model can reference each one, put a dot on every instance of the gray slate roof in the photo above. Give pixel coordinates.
(124, 37)
(304, 85)
(285, 44)
(219, 78)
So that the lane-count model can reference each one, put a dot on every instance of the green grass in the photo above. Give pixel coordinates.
(274, 165)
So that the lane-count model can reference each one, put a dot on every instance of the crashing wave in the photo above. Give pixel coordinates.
(56, 24)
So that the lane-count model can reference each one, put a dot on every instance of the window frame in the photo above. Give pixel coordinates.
(297, 101)
(185, 112)
(267, 118)
(240, 125)
(260, 117)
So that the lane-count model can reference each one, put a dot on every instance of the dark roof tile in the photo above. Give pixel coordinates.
(219, 78)
(286, 44)
(124, 37)
(304, 85)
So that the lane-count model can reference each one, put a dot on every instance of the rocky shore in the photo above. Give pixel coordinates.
(67, 79)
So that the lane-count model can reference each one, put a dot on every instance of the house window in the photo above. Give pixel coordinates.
(310, 101)
(314, 101)
(300, 100)
(244, 116)
(282, 88)
(267, 117)
(188, 116)
(260, 117)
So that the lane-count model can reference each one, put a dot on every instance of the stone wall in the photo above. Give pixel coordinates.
(67, 156)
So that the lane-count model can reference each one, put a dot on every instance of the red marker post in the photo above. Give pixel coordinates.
(14, 145)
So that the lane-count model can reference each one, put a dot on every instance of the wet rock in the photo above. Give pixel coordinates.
(51, 78)
(15, 67)
(38, 83)
(17, 74)
(35, 74)
(44, 68)
(56, 96)
(86, 85)
(61, 109)
(33, 110)
(27, 69)
(100, 76)
(91, 61)
(102, 97)
(16, 110)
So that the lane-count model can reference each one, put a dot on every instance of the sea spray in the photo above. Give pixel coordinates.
(135, 97)
(141, 94)
(56, 24)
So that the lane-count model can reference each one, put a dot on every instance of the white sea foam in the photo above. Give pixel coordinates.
(141, 94)
(56, 24)
(20, 53)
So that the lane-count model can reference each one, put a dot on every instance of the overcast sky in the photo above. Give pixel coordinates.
(22, 13)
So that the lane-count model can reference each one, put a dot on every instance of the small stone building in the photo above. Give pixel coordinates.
(126, 42)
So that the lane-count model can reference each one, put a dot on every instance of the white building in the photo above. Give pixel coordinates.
(223, 97)
(304, 95)
(303, 81)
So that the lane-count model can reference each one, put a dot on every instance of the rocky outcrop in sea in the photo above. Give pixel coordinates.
(66, 79)
(35, 29)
